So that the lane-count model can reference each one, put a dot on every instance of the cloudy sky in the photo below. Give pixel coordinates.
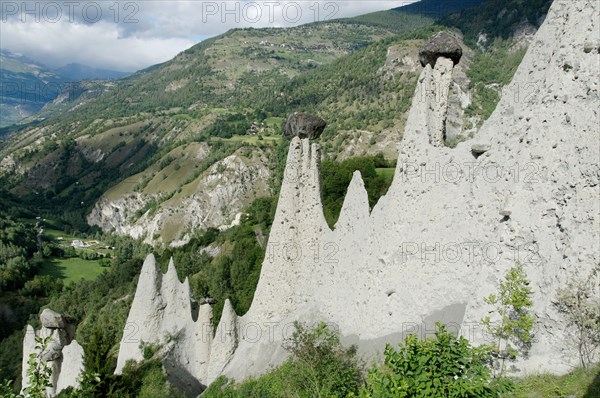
(130, 35)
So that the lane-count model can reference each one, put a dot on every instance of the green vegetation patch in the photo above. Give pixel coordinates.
(250, 139)
(580, 383)
(386, 172)
(71, 269)
(337, 176)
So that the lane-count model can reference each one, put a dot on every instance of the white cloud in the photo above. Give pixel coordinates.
(98, 45)
(136, 34)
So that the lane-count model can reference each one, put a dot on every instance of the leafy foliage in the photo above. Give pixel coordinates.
(39, 372)
(513, 332)
(578, 302)
(319, 366)
(444, 366)
(145, 379)
(18, 261)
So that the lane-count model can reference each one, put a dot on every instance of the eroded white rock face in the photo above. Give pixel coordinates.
(444, 235)
(162, 315)
(436, 95)
(222, 191)
(69, 375)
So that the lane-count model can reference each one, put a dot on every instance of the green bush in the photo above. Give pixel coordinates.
(42, 286)
(319, 366)
(145, 379)
(513, 332)
(149, 350)
(444, 366)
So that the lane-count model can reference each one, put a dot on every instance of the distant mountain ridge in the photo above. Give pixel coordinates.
(27, 85)
(77, 72)
(410, 16)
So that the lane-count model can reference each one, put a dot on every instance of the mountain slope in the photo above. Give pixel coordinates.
(120, 140)
(75, 72)
(25, 87)
(412, 16)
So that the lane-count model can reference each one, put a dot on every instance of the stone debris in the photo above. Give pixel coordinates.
(479, 149)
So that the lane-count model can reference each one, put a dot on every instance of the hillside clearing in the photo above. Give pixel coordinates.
(71, 269)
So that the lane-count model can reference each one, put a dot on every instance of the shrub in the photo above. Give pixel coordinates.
(38, 372)
(319, 366)
(322, 364)
(444, 366)
(42, 286)
(149, 350)
(577, 302)
(513, 333)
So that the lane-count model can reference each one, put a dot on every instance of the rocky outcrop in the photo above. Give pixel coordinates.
(304, 125)
(63, 355)
(443, 45)
(213, 200)
(450, 226)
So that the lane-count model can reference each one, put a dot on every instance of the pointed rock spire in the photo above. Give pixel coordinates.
(224, 342)
(150, 276)
(355, 210)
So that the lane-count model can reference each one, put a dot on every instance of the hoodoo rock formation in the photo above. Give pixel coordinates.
(442, 45)
(163, 314)
(63, 355)
(437, 243)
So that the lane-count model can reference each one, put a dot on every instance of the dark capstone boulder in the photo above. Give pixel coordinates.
(304, 125)
(443, 44)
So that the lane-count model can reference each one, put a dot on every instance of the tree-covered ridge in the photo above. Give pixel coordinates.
(352, 92)
(497, 19)
(196, 76)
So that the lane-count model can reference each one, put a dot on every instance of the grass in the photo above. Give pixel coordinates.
(583, 383)
(386, 172)
(580, 383)
(55, 234)
(71, 269)
(65, 238)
